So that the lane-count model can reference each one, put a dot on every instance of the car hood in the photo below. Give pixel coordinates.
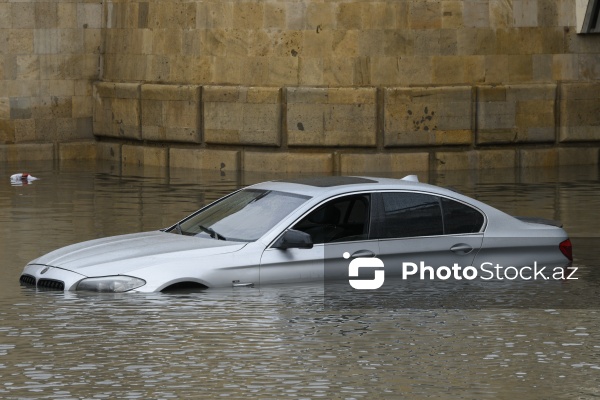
(133, 251)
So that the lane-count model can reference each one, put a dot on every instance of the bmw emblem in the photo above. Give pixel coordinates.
(42, 272)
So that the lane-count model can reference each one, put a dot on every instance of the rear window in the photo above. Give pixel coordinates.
(460, 218)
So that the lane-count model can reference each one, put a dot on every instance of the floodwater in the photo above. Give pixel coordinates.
(279, 342)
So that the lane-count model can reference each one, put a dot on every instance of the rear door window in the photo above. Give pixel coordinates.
(405, 214)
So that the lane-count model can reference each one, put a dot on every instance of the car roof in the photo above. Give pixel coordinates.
(332, 185)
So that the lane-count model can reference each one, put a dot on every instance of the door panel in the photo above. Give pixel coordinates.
(308, 265)
(339, 225)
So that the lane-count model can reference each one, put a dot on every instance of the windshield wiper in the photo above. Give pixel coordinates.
(211, 232)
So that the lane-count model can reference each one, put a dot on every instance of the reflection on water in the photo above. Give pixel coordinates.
(278, 342)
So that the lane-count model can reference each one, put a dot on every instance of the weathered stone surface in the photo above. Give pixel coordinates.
(516, 113)
(284, 51)
(475, 159)
(353, 164)
(331, 116)
(427, 116)
(578, 156)
(216, 160)
(170, 113)
(453, 160)
(29, 152)
(286, 162)
(495, 159)
(242, 115)
(144, 155)
(78, 151)
(7, 131)
(538, 158)
(117, 110)
(579, 112)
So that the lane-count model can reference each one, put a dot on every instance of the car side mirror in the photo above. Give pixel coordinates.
(293, 239)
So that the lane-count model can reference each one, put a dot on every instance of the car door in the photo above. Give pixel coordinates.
(420, 229)
(339, 225)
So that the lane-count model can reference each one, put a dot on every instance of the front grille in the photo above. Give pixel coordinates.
(51, 284)
(27, 280)
(48, 284)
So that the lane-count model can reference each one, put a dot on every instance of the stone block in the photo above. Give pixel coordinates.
(525, 13)
(144, 156)
(205, 159)
(578, 156)
(579, 116)
(274, 16)
(456, 70)
(5, 14)
(82, 106)
(66, 15)
(108, 151)
(4, 108)
(170, 113)
(495, 159)
(426, 14)
(360, 164)
(7, 130)
(26, 152)
(405, 71)
(427, 116)
(277, 162)
(452, 14)
(476, 14)
(520, 68)
(25, 131)
(516, 114)
(331, 116)
(565, 67)
(533, 158)
(450, 161)
(117, 110)
(77, 151)
(20, 107)
(89, 15)
(282, 71)
(242, 115)
(23, 15)
(248, 15)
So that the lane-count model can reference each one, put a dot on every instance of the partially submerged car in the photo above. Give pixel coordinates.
(285, 231)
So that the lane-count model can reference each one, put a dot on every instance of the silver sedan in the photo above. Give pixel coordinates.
(303, 230)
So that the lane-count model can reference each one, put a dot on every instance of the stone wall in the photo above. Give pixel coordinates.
(50, 53)
(347, 43)
(351, 130)
(301, 85)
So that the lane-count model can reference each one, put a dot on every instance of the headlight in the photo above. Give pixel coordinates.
(112, 284)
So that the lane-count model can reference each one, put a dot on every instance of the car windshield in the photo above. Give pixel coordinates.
(243, 216)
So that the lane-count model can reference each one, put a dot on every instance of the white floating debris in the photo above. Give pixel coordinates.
(22, 179)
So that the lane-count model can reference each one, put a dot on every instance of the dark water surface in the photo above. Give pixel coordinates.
(277, 342)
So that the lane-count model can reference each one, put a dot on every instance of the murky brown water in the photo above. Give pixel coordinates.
(277, 342)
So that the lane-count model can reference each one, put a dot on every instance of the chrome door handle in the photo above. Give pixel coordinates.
(362, 253)
(461, 248)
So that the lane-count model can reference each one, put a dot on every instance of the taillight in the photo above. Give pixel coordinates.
(566, 248)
